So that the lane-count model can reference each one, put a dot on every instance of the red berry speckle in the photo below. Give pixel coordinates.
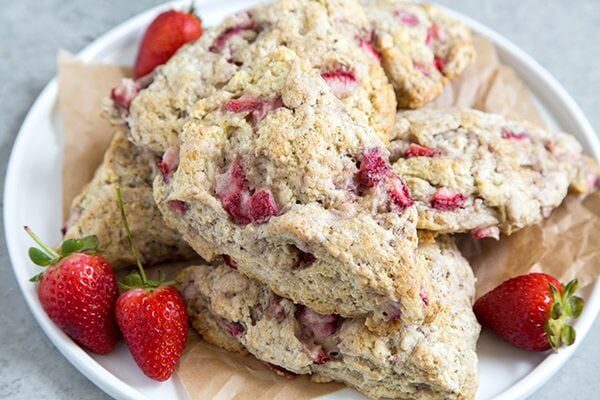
(416, 150)
(447, 200)
(341, 83)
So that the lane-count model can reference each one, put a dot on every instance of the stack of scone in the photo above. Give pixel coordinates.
(273, 148)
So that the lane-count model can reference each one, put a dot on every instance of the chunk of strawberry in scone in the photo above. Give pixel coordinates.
(123, 94)
(369, 47)
(178, 206)
(434, 35)
(237, 200)
(235, 329)
(514, 136)
(374, 168)
(486, 232)
(317, 325)
(245, 23)
(447, 200)
(261, 206)
(258, 108)
(406, 17)
(169, 162)
(341, 83)
(376, 171)
(416, 150)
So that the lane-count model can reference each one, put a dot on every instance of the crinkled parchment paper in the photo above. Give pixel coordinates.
(566, 245)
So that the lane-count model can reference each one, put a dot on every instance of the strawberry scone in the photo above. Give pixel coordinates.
(435, 360)
(478, 172)
(349, 64)
(421, 48)
(95, 210)
(277, 175)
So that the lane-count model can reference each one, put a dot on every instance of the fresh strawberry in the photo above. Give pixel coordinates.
(165, 35)
(514, 136)
(78, 291)
(531, 311)
(154, 323)
(152, 317)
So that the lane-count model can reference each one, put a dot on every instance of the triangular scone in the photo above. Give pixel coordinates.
(95, 210)
(421, 48)
(276, 174)
(314, 29)
(434, 360)
(472, 171)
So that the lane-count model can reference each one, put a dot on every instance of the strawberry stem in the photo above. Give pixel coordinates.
(129, 236)
(39, 242)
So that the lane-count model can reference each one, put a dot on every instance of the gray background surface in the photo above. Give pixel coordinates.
(564, 36)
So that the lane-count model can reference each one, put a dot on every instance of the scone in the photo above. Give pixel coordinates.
(309, 27)
(95, 210)
(274, 173)
(471, 171)
(435, 360)
(421, 48)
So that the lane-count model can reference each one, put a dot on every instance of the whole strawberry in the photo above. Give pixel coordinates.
(154, 323)
(78, 291)
(152, 317)
(531, 311)
(165, 35)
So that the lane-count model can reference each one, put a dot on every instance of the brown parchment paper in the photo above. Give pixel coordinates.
(86, 133)
(566, 245)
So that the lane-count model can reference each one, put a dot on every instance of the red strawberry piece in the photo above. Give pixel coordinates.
(416, 150)
(373, 169)
(319, 326)
(236, 199)
(262, 206)
(78, 291)
(399, 194)
(514, 136)
(439, 63)
(229, 261)
(369, 47)
(531, 311)
(154, 323)
(434, 35)
(276, 309)
(319, 355)
(341, 83)
(235, 329)
(281, 371)
(245, 23)
(424, 297)
(406, 18)
(243, 104)
(394, 311)
(165, 35)
(169, 162)
(486, 232)
(265, 108)
(123, 94)
(447, 200)
(231, 190)
(178, 206)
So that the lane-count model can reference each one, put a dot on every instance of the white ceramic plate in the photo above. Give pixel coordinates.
(32, 196)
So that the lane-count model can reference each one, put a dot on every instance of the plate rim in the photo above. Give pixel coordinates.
(116, 387)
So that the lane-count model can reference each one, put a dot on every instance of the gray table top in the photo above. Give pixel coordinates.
(563, 36)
